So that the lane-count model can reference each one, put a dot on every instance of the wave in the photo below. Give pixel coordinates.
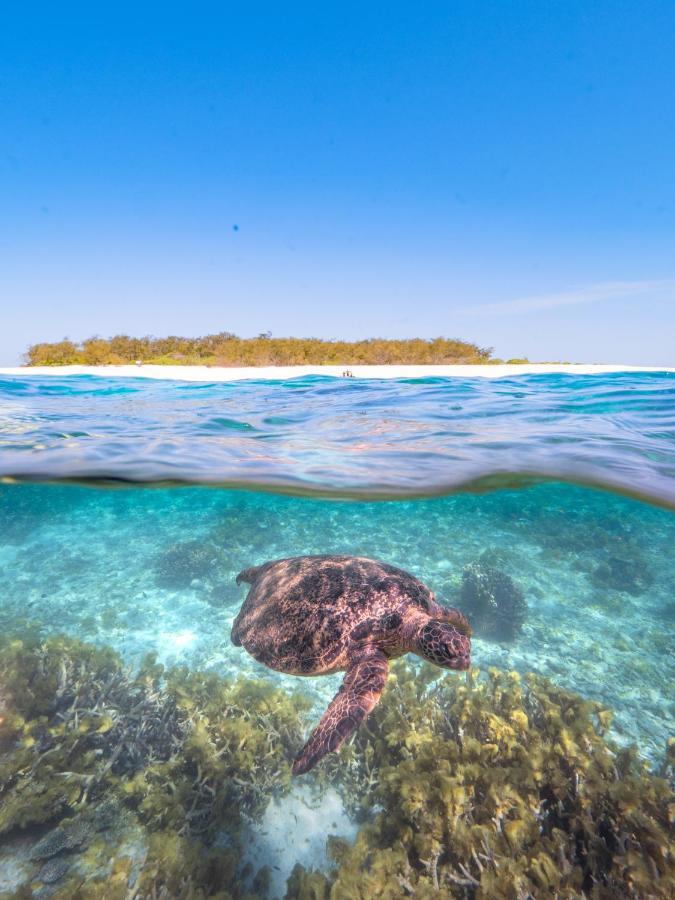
(337, 437)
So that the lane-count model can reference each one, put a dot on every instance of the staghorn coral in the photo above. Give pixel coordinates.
(499, 789)
(493, 602)
(185, 759)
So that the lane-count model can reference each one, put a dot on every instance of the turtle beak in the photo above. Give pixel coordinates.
(460, 659)
(460, 663)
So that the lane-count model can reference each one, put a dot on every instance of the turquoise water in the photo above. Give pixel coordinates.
(362, 436)
(582, 526)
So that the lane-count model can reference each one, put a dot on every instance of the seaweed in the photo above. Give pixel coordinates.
(141, 785)
(497, 788)
(185, 759)
(493, 602)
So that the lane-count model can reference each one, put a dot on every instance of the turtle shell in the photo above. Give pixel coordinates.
(304, 614)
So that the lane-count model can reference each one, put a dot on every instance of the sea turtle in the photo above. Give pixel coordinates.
(313, 615)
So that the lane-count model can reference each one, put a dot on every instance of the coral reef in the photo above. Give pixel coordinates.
(493, 602)
(499, 788)
(186, 759)
(140, 786)
(623, 573)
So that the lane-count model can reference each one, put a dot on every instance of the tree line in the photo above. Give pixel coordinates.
(225, 349)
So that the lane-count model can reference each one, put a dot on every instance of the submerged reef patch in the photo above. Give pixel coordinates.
(176, 762)
(120, 785)
(596, 538)
(187, 561)
(499, 788)
(623, 573)
(26, 508)
(493, 602)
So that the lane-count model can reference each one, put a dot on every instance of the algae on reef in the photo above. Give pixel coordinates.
(497, 789)
(140, 786)
(170, 760)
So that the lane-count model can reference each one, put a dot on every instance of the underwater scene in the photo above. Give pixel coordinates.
(505, 726)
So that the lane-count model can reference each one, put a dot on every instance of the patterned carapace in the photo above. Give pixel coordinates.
(313, 615)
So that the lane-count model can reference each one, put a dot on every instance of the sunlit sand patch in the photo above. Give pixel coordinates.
(294, 830)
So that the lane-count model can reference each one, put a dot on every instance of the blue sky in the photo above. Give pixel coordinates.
(501, 172)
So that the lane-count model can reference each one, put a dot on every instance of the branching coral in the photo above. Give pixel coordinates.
(502, 789)
(493, 602)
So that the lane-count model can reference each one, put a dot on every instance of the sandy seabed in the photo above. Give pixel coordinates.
(221, 373)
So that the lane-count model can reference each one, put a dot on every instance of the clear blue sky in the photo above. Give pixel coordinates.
(501, 172)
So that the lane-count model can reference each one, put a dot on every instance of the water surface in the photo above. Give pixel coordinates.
(364, 436)
(138, 502)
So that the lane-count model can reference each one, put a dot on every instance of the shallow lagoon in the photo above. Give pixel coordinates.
(152, 570)
(121, 778)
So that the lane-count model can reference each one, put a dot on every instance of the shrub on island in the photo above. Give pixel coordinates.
(226, 349)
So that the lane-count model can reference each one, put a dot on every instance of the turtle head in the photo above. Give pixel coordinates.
(445, 644)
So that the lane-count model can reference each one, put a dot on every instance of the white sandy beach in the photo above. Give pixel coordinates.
(215, 373)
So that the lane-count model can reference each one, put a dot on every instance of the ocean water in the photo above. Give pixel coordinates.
(128, 507)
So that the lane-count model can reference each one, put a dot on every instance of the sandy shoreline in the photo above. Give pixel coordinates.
(214, 373)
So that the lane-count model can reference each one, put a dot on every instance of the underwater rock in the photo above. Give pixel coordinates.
(630, 574)
(66, 836)
(493, 602)
(54, 869)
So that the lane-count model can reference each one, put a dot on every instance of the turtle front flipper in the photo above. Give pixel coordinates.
(358, 695)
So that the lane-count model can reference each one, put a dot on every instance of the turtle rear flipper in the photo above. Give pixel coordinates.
(359, 693)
